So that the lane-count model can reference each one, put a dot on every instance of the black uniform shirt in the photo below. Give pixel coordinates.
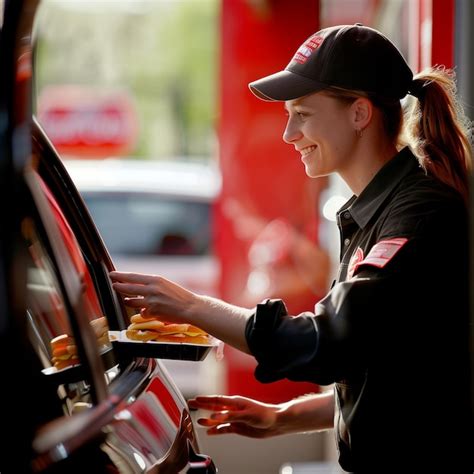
(395, 324)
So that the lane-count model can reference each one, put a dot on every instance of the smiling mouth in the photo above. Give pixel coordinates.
(307, 150)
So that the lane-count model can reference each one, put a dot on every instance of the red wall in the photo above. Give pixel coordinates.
(442, 42)
(263, 178)
(436, 47)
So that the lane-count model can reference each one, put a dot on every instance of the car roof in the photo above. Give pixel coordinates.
(178, 178)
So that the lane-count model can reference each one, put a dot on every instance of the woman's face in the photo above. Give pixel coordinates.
(321, 130)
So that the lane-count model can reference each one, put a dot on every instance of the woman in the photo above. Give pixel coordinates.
(395, 321)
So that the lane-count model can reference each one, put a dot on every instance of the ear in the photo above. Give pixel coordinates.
(361, 113)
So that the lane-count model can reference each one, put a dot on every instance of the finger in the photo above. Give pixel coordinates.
(128, 277)
(226, 417)
(214, 403)
(146, 313)
(226, 428)
(208, 422)
(233, 417)
(205, 402)
(133, 289)
(236, 428)
(138, 302)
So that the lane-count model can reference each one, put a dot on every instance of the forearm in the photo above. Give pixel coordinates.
(223, 320)
(313, 412)
(158, 297)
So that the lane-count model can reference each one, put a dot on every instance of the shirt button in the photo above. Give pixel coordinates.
(347, 242)
(347, 215)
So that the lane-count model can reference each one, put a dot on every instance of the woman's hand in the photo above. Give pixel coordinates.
(158, 297)
(239, 415)
(154, 295)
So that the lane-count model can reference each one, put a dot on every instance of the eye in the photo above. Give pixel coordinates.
(301, 115)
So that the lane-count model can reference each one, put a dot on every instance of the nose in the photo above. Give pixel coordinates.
(292, 132)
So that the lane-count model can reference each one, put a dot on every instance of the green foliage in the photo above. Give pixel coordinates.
(164, 52)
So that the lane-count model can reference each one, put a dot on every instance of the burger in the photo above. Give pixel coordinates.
(64, 351)
(151, 329)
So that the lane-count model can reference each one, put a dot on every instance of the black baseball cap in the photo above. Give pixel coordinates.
(353, 57)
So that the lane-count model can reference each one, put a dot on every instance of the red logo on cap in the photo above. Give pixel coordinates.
(307, 48)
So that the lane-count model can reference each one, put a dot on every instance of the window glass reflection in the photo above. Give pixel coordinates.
(90, 298)
(46, 308)
(47, 312)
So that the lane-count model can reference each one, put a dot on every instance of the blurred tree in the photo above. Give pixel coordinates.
(163, 52)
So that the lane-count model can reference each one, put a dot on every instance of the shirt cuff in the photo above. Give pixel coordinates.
(282, 344)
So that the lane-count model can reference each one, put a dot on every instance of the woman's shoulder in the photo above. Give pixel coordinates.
(423, 190)
(422, 205)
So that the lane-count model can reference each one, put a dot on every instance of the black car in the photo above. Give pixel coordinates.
(73, 399)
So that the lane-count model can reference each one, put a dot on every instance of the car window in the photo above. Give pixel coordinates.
(46, 311)
(94, 310)
(50, 299)
(150, 224)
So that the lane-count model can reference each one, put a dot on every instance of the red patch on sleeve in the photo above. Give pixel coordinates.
(357, 257)
(382, 252)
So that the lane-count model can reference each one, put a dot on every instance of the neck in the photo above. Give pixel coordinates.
(372, 151)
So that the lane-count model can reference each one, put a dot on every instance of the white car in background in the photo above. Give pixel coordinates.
(156, 217)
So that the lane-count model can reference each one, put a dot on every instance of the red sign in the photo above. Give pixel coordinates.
(85, 122)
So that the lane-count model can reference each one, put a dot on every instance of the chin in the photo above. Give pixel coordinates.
(311, 172)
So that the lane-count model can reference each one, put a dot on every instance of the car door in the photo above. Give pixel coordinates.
(158, 416)
(89, 406)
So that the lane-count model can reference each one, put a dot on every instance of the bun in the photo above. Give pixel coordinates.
(62, 364)
(61, 340)
(158, 337)
(152, 325)
(137, 335)
(100, 327)
(138, 318)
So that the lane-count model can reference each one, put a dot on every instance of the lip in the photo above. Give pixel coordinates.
(307, 150)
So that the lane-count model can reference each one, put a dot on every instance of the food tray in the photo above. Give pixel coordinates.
(161, 350)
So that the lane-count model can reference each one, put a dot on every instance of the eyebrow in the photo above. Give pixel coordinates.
(295, 102)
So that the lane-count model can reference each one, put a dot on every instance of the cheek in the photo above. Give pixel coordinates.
(341, 137)
(342, 151)
(337, 149)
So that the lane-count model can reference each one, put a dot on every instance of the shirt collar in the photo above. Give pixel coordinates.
(364, 206)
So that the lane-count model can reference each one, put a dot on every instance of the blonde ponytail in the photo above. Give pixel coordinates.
(437, 129)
